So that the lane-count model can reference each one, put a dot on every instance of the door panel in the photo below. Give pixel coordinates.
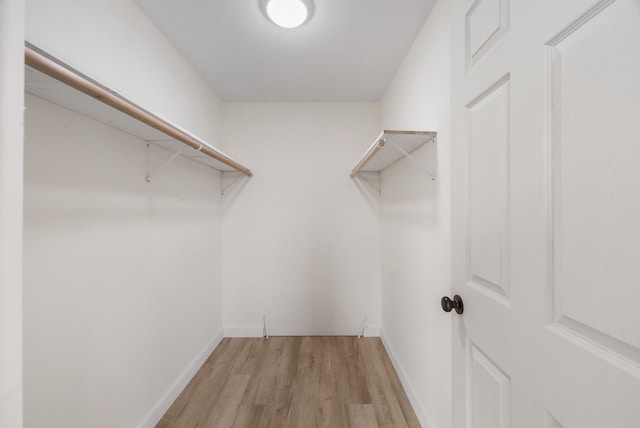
(488, 391)
(595, 176)
(486, 21)
(488, 191)
(546, 213)
(593, 64)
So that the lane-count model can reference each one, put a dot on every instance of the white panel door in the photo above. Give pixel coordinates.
(546, 213)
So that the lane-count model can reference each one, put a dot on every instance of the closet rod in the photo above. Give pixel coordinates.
(43, 63)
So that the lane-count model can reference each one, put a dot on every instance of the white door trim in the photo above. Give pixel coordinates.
(12, 14)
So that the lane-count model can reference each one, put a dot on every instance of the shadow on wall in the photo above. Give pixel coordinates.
(232, 185)
(370, 186)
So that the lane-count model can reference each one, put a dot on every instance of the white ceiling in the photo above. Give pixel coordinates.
(349, 51)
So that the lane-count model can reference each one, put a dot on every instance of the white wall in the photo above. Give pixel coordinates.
(113, 42)
(115, 313)
(122, 277)
(11, 101)
(301, 240)
(416, 226)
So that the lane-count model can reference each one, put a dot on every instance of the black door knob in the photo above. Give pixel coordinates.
(448, 304)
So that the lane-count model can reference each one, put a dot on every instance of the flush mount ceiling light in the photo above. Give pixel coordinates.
(287, 13)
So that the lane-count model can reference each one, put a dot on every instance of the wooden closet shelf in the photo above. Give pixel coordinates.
(389, 147)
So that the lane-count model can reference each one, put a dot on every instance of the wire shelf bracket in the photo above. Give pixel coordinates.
(149, 173)
(416, 163)
(230, 179)
(403, 143)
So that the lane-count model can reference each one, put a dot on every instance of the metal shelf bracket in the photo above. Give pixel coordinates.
(229, 180)
(149, 174)
(265, 333)
(418, 164)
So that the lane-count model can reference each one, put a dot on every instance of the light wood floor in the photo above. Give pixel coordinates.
(294, 382)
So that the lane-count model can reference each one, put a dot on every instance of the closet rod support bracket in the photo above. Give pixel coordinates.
(226, 184)
(149, 173)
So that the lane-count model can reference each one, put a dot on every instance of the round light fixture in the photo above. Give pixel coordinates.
(287, 13)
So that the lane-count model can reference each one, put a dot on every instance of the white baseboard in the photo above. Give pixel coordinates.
(154, 416)
(422, 415)
(372, 331)
(255, 331)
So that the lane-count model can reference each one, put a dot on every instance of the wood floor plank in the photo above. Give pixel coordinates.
(225, 409)
(272, 383)
(196, 384)
(337, 394)
(197, 401)
(294, 382)
(358, 393)
(362, 416)
(247, 357)
(398, 390)
(386, 404)
(249, 416)
(305, 409)
(276, 372)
